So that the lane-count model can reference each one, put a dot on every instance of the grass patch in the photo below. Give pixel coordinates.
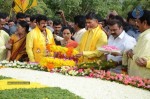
(3, 77)
(38, 93)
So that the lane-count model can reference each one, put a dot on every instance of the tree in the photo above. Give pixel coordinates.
(72, 8)
(5, 6)
(129, 5)
(41, 8)
(75, 7)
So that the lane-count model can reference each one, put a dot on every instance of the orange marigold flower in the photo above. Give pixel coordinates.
(50, 65)
(48, 47)
(69, 51)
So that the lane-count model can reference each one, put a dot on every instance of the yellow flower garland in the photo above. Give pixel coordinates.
(60, 57)
(56, 62)
(62, 50)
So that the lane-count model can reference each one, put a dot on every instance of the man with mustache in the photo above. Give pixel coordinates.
(37, 39)
(120, 39)
(139, 57)
(57, 26)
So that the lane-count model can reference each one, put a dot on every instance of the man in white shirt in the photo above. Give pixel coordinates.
(120, 39)
(57, 26)
(79, 27)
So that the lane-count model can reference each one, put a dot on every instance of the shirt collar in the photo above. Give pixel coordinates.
(121, 35)
(145, 32)
(80, 31)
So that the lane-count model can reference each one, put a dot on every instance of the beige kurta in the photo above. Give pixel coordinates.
(4, 37)
(142, 49)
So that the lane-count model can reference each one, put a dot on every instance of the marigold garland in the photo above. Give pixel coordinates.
(50, 62)
(62, 57)
(62, 50)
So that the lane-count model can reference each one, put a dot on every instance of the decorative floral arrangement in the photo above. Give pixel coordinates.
(62, 57)
(73, 71)
(105, 75)
(62, 52)
(17, 64)
(104, 65)
(50, 62)
(86, 72)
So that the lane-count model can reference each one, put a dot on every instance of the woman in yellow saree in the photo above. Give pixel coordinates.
(16, 44)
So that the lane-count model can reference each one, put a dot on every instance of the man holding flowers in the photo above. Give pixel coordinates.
(91, 40)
